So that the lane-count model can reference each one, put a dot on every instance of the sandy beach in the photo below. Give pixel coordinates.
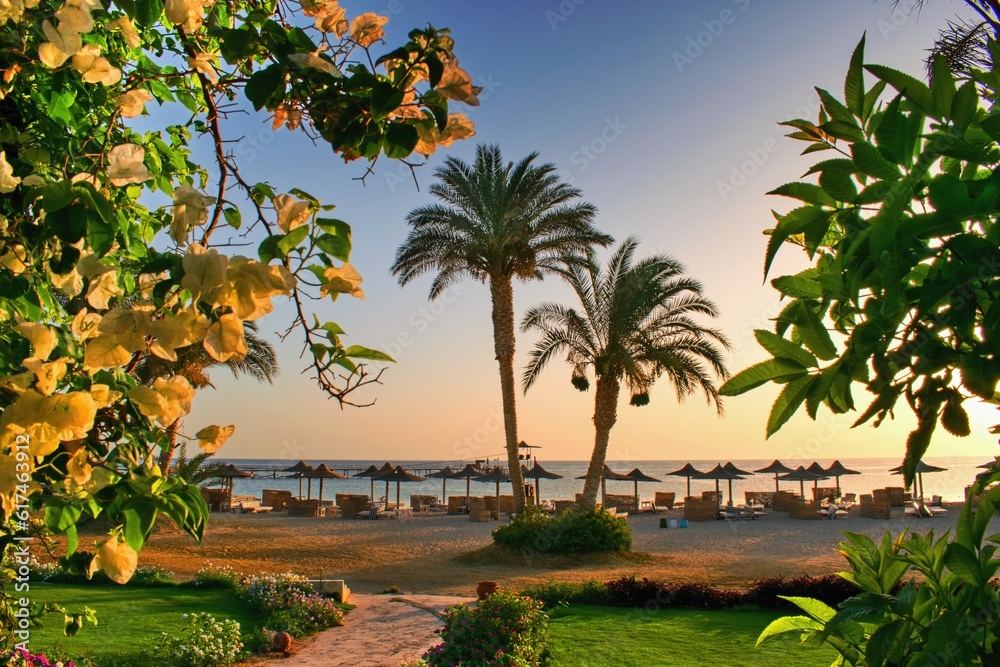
(428, 554)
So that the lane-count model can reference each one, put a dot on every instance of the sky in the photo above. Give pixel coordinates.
(665, 115)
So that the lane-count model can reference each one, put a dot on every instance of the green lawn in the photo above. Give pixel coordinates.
(585, 636)
(130, 619)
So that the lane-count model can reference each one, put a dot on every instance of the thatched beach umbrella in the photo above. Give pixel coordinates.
(836, 469)
(537, 472)
(801, 475)
(776, 467)
(921, 469)
(637, 476)
(228, 473)
(322, 472)
(497, 476)
(468, 472)
(607, 474)
(444, 475)
(399, 475)
(386, 469)
(688, 471)
(988, 466)
(370, 472)
(297, 471)
(718, 473)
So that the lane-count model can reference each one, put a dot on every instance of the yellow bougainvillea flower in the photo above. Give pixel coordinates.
(342, 280)
(14, 260)
(186, 13)
(72, 414)
(459, 127)
(129, 326)
(211, 438)
(190, 210)
(61, 45)
(205, 64)
(133, 103)
(103, 289)
(117, 559)
(250, 286)
(8, 181)
(104, 351)
(70, 283)
(225, 339)
(128, 31)
(311, 60)
(94, 67)
(85, 325)
(19, 382)
(73, 18)
(328, 14)
(289, 116)
(13, 10)
(291, 212)
(168, 335)
(47, 374)
(47, 420)
(78, 467)
(103, 395)
(366, 29)
(204, 272)
(456, 84)
(166, 401)
(125, 165)
(43, 339)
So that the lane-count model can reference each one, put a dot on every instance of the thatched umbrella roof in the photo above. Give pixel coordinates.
(836, 469)
(637, 476)
(776, 467)
(497, 476)
(801, 475)
(537, 472)
(921, 469)
(468, 472)
(444, 475)
(399, 475)
(688, 471)
(322, 472)
(720, 472)
(607, 474)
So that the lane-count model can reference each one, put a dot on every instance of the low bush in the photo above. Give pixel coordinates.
(554, 593)
(289, 603)
(218, 576)
(570, 532)
(19, 658)
(205, 642)
(56, 573)
(831, 590)
(504, 630)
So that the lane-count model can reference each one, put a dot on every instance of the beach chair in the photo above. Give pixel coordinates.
(917, 510)
(832, 512)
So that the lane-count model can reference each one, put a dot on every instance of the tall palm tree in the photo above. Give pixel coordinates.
(193, 362)
(497, 221)
(965, 44)
(636, 325)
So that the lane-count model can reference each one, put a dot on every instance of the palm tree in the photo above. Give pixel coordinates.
(636, 325)
(193, 362)
(965, 44)
(195, 470)
(495, 222)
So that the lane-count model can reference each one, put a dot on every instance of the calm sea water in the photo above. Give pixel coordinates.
(874, 473)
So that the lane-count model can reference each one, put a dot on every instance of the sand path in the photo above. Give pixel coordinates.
(382, 631)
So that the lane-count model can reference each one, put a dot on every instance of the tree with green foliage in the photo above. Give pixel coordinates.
(497, 221)
(115, 245)
(637, 324)
(901, 227)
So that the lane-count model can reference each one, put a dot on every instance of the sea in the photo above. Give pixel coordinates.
(873, 473)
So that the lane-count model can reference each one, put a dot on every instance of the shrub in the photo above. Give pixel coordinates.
(217, 576)
(570, 532)
(652, 594)
(830, 589)
(204, 642)
(554, 593)
(504, 630)
(289, 603)
(56, 573)
(19, 658)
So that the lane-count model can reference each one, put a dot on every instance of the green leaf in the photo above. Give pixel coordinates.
(140, 516)
(72, 541)
(964, 105)
(335, 227)
(838, 184)
(870, 161)
(942, 85)
(233, 217)
(854, 84)
(798, 287)
(788, 402)
(796, 221)
(817, 611)
(778, 370)
(268, 249)
(266, 87)
(814, 335)
(361, 352)
(69, 222)
(913, 89)
(963, 563)
(955, 419)
(782, 348)
(336, 246)
(844, 131)
(148, 12)
(787, 625)
(805, 192)
(385, 98)
(57, 195)
(59, 515)
(400, 140)
(292, 239)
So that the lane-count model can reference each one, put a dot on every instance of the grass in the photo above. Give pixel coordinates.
(585, 636)
(130, 619)
(494, 554)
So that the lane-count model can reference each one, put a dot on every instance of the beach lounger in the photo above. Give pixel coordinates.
(253, 507)
(832, 512)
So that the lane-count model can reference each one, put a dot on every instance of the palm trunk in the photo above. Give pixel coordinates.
(502, 294)
(605, 416)
(167, 455)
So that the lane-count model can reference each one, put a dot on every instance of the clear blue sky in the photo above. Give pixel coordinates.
(652, 109)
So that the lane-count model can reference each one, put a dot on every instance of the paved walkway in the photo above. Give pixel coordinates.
(382, 631)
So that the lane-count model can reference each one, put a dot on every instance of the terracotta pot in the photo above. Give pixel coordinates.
(485, 588)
